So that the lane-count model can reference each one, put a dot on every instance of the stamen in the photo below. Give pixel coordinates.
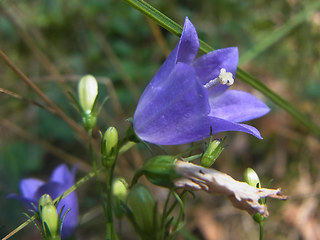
(223, 78)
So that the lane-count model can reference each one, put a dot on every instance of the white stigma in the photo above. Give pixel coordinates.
(224, 78)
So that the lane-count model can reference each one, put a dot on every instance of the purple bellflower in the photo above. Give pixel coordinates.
(61, 179)
(188, 96)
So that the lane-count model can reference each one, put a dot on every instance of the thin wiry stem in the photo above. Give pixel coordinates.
(41, 94)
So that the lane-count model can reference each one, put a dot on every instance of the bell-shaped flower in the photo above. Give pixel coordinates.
(61, 179)
(189, 96)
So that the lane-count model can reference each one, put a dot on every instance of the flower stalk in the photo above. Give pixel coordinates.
(109, 154)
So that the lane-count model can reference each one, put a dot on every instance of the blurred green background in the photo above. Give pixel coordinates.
(56, 42)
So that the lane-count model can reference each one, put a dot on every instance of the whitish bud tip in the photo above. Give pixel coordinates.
(88, 91)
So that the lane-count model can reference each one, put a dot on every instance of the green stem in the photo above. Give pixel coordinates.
(110, 232)
(126, 146)
(191, 158)
(91, 152)
(165, 214)
(181, 202)
(175, 28)
(261, 230)
(109, 226)
(138, 174)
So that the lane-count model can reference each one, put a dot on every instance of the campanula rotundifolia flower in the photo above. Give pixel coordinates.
(188, 96)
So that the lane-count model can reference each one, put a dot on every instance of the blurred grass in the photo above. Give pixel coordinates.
(55, 42)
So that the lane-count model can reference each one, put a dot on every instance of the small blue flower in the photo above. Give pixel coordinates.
(187, 96)
(61, 179)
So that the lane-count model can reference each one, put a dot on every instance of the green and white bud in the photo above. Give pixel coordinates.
(120, 192)
(49, 218)
(109, 148)
(251, 177)
(88, 91)
(212, 153)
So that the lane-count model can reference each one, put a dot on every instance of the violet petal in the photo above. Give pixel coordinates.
(29, 187)
(237, 106)
(185, 51)
(222, 125)
(61, 174)
(163, 111)
(188, 45)
(54, 189)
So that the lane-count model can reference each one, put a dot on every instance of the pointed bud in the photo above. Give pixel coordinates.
(119, 191)
(251, 177)
(88, 91)
(212, 153)
(143, 209)
(49, 217)
(160, 170)
(109, 147)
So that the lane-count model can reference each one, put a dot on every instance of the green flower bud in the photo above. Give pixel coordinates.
(212, 153)
(143, 209)
(109, 147)
(120, 191)
(160, 170)
(251, 178)
(88, 91)
(49, 217)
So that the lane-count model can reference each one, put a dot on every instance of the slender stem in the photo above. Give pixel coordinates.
(109, 207)
(138, 174)
(110, 232)
(91, 151)
(94, 166)
(109, 227)
(165, 214)
(181, 202)
(261, 230)
(23, 225)
(38, 91)
(191, 158)
(126, 146)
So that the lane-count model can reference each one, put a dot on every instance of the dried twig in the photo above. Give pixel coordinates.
(242, 195)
